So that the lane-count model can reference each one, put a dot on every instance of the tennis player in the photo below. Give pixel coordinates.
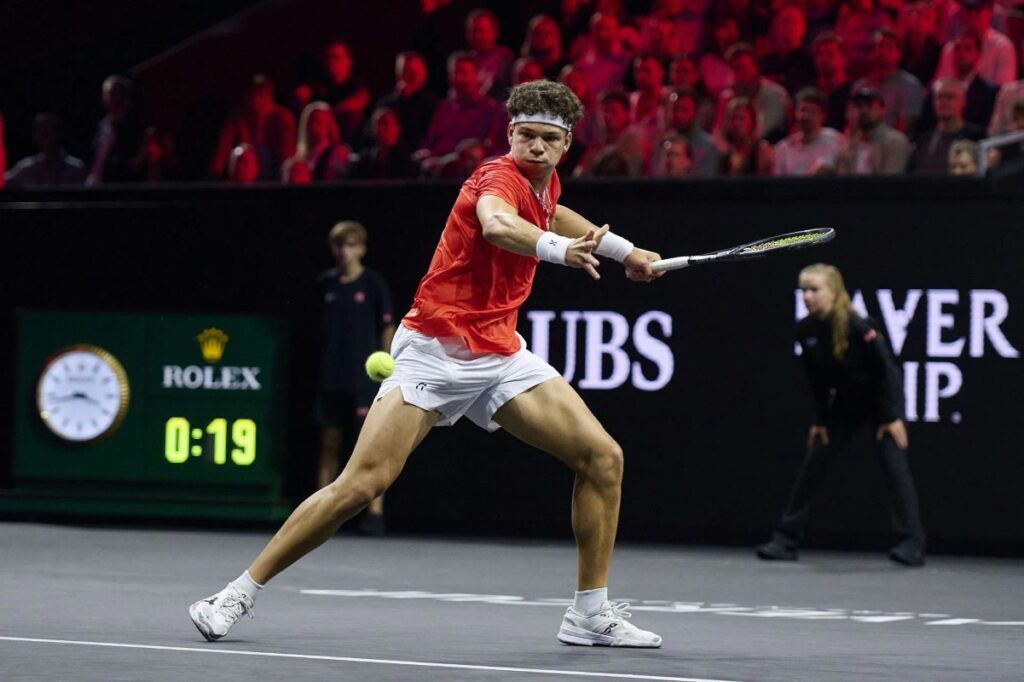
(457, 353)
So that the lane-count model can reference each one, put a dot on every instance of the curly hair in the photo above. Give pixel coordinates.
(545, 97)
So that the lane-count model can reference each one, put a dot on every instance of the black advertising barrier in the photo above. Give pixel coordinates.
(695, 375)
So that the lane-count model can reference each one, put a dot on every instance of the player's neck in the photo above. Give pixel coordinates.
(540, 184)
(351, 273)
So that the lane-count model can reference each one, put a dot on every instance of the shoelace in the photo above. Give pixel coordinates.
(237, 605)
(619, 609)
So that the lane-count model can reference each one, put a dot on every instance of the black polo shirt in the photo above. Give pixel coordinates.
(354, 315)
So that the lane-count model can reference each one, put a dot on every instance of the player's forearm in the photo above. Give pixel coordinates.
(569, 223)
(510, 232)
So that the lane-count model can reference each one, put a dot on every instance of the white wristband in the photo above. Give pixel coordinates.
(552, 247)
(615, 247)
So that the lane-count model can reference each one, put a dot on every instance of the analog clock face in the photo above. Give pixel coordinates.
(82, 393)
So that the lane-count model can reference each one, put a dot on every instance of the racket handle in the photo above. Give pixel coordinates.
(670, 264)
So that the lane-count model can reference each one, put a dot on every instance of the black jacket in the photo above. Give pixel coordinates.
(865, 384)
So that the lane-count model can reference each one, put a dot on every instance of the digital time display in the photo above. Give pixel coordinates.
(202, 435)
(218, 440)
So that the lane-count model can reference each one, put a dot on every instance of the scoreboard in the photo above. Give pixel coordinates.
(149, 414)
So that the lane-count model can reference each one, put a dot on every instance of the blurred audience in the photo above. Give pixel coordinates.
(688, 17)
(715, 73)
(649, 77)
(675, 159)
(296, 171)
(118, 137)
(874, 147)
(411, 99)
(680, 115)
(343, 89)
(390, 156)
(157, 161)
(243, 165)
(770, 100)
(830, 67)
(787, 63)
(52, 165)
(931, 153)
(1007, 161)
(980, 94)
(744, 151)
(1002, 117)
(265, 126)
(683, 62)
(604, 61)
(618, 144)
(466, 113)
(922, 45)
(494, 61)
(998, 61)
(811, 149)
(319, 144)
(963, 158)
(903, 93)
(543, 44)
(525, 70)
(683, 72)
(856, 26)
(461, 163)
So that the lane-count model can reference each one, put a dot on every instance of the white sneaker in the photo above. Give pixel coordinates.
(607, 627)
(215, 615)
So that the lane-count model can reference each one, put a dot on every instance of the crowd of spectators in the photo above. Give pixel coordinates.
(688, 88)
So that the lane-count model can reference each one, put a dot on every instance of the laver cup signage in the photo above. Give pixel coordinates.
(204, 421)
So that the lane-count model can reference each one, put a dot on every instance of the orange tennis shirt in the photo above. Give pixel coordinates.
(473, 288)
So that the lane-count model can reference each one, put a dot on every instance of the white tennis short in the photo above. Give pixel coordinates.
(442, 374)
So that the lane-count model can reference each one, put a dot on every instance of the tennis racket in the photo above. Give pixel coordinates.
(762, 247)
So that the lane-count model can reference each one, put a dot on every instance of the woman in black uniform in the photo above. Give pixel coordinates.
(855, 380)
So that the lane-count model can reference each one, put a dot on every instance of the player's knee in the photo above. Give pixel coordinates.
(357, 491)
(607, 464)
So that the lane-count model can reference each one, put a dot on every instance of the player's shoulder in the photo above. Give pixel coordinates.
(498, 167)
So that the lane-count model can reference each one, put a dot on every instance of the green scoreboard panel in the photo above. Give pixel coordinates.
(146, 414)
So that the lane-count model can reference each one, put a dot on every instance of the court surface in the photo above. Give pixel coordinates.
(82, 603)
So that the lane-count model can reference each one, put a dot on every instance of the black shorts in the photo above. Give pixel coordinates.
(342, 409)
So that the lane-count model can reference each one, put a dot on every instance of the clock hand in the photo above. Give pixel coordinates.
(83, 396)
(65, 398)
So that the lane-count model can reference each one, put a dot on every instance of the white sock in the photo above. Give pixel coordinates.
(588, 602)
(246, 584)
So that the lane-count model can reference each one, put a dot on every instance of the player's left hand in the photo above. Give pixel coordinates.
(638, 265)
(897, 429)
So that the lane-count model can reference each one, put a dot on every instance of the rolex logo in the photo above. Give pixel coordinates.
(211, 344)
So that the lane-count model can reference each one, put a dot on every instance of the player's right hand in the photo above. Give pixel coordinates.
(580, 253)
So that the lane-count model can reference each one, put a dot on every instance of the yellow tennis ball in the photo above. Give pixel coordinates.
(379, 366)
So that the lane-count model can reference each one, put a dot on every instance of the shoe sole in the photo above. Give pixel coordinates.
(578, 637)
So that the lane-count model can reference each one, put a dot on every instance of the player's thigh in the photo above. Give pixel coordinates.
(392, 430)
(551, 416)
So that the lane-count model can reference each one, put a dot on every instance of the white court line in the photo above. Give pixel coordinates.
(382, 661)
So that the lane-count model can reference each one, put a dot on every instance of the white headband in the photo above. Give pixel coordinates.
(549, 119)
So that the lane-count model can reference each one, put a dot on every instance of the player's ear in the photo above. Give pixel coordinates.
(568, 141)
(509, 132)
